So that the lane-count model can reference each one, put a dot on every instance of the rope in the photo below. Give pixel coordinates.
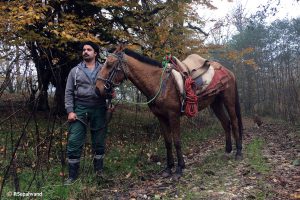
(191, 99)
(191, 107)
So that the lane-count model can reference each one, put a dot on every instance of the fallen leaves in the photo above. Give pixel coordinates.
(229, 180)
(296, 162)
(128, 175)
(2, 149)
(295, 196)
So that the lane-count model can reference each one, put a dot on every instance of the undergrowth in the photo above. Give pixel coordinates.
(133, 140)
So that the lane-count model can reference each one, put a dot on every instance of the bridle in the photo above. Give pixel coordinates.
(121, 65)
(109, 83)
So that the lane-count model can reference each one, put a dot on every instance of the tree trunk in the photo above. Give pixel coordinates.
(19, 81)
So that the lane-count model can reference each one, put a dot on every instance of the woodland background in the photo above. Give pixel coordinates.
(39, 44)
(44, 36)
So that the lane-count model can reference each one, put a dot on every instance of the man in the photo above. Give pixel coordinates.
(83, 105)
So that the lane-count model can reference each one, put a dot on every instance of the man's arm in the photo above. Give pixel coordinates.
(69, 92)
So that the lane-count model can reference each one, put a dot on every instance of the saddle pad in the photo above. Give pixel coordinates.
(178, 80)
(204, 80)
(201, 82)
(218, 83)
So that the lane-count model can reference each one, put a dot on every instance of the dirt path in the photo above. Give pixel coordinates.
(270, 170)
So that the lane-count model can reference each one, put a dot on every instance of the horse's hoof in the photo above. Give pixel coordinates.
(176, 176)
(178, 173)
(166, 173)
(226, 156)
(228, 149)
(239, 157)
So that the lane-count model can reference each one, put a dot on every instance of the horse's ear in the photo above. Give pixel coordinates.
(117, 49)
(123, 47)
(120, 48)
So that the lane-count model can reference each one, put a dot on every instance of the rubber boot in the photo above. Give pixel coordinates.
(73, 173)
(98, 164)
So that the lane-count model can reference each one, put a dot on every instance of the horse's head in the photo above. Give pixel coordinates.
(112, 73)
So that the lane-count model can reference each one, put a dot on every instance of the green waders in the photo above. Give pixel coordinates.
(96, 118)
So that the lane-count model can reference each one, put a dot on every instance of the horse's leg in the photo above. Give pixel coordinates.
(217, 107)
(231, 109)
(165, 128)
(175, 129)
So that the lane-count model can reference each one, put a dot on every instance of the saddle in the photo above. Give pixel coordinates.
(210, 77)
(194, 65)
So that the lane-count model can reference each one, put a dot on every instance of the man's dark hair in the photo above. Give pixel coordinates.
(92, 44)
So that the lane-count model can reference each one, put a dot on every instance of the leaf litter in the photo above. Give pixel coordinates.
(211, 175)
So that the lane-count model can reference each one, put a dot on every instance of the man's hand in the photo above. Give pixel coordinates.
(72, 117)
(113, 94)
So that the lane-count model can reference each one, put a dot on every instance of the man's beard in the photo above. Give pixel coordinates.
(87, 59)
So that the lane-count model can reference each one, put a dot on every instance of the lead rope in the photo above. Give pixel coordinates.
(165, 65)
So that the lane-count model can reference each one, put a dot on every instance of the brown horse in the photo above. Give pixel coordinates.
(146, 74)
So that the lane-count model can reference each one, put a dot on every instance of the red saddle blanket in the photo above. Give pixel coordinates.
(218, 83)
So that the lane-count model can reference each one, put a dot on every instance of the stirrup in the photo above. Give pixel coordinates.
(182, 106)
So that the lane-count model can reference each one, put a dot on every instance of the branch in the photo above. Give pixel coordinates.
(7, 76)
(156, 10)
(197, 28)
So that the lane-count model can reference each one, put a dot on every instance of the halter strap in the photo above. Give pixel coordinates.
(117, 67)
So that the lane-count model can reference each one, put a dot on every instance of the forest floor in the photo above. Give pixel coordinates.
(270, 170)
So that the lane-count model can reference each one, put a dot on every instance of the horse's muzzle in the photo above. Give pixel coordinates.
(108, 92)
(97, 91)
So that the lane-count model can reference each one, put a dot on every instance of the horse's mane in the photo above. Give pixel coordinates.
(142, 58)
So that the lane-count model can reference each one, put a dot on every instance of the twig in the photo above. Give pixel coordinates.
(7, 118)
(14, 153)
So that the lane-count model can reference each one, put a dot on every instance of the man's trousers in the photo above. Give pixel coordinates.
(96, 118)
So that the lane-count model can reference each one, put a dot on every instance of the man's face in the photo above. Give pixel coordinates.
(88, 53)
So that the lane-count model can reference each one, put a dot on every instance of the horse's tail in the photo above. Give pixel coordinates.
(238, 112)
